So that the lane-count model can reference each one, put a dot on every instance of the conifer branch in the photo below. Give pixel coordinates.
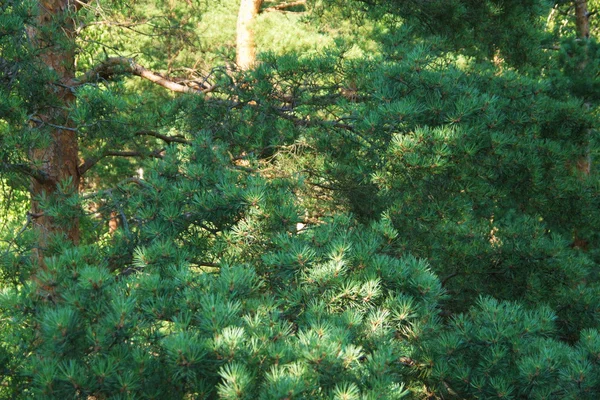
(108, 192)
(200, 263)
(314, 122)
(29, 217)
(62, 127)
(137, 181)
(133, 153)
(167, 139)
(37, 174)
(214, 231)
(121, 65)
(89, 163)
(123, 218)
(127, 25)
(447, 278)
(79, 4)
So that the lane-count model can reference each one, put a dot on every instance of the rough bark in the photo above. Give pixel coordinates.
(245, 44)
(58, 161)
(54, 40)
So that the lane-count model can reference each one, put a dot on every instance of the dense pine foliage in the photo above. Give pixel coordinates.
(400, 199)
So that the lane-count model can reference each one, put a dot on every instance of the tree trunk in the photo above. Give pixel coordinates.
(54, 41)
(245, 45)
(582, 19)
(584, 164)
(582, 22)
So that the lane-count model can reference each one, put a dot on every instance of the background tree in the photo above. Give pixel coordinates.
(245, 46)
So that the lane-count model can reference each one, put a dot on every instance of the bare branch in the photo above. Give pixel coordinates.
(108, 192)
(126, 24)
(62, 127)
(133, 153)
(200, 263)
(447, 278)
(122, 65)
(165, 138)
(314, 122)
(79, 4)
(36, 174)
(28, 222)
(89, 163)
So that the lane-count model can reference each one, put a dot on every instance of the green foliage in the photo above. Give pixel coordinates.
(513, 29)
(394, 202)
(316, 314)
(500, 350)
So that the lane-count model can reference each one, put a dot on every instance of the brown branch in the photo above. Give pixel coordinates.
(37, 174)
(283, 6)
(209, 89)
(42, 123)
(313, 122)
(28, 222)
(446, 279)
(126, 24)
(122, 65)
(89, 163)
(206, 264)
(109, 191)
(137, 181)
(79, 4)
(167, 139)
(133, 153)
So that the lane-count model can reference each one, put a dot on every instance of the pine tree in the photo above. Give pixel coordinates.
(407, 209)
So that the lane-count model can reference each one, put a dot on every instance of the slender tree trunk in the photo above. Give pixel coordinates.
(582, 19)
(584, 164)
(54, 40)
(245, 45)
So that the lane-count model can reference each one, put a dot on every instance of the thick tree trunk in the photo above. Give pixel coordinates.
(54, 39)
(245, 45)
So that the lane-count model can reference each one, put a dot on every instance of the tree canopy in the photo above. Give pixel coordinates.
(358, 199)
